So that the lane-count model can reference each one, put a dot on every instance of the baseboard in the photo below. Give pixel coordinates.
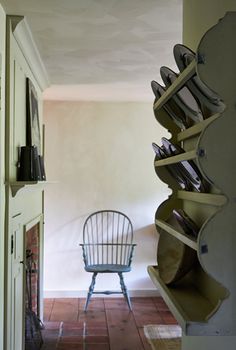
(83, 294)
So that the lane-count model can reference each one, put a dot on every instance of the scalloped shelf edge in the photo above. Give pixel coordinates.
(193, 320)
(28, 185)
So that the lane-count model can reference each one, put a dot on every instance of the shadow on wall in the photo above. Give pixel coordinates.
(76, 222)
(147, 241)
(145, 234)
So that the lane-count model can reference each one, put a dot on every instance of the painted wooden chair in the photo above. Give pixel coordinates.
(108, 248)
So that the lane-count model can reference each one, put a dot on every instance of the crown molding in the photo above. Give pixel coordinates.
(24, 38)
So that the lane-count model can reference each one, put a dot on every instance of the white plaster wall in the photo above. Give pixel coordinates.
(2, 170)
(100, 153)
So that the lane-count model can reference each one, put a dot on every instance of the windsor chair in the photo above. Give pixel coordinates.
(107, 248)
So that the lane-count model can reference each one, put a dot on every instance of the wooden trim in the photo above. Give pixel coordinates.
(24, 38)
(205, 198)
(197, 128)
(188, 240)
(176, 159)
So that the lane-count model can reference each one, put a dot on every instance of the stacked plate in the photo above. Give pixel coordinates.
(188, 106)
(171, 108)
(186, 173)
(206, 97)
(192, 101)
(183, 98)
(186, 223)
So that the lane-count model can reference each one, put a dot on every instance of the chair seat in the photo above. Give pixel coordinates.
(107, 268)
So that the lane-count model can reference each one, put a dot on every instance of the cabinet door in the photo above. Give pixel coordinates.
(17, 286)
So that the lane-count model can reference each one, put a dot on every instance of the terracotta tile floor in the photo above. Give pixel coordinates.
(107, 325)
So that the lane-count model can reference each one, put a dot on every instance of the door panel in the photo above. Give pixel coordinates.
(17, 277)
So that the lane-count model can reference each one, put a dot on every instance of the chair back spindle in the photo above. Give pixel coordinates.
(108, 238)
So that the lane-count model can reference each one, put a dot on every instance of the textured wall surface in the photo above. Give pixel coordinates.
(89, 42)
(101, 156)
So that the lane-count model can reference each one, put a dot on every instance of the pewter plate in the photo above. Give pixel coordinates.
(183, 98)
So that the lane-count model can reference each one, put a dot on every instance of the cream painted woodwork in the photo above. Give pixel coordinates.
(18, 70)
(203, 302)
(201, 15)
(2, 170)
(23, 208)
(38, 220)
(16, 331)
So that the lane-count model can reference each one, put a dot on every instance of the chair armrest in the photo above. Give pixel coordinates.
(84, 254)
(131, 253)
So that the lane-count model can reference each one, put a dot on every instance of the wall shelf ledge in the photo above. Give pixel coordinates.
(28, 186)
(188, 240)
(217, 200)
(177, 158)
(191, 308)
(197, 128)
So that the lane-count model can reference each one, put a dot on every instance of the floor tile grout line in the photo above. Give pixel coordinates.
(105, 310)
(84, 335)
(139, 307)
(135, 323)
(141, 327)
(59, 334)
(78, 315)
(156, 306)
(50, 315)
(78, 306)
(162, 311)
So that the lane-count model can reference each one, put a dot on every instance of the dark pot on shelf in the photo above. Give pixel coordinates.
(29, 164)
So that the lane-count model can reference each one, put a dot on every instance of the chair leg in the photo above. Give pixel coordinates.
(124, 290)
(90, 292)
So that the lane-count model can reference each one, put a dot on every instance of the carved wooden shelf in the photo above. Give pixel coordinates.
(197, 128)
(205, 198)
(203, 300)
(176, 159)
(190, 307)
(28, 186)
(188, 240)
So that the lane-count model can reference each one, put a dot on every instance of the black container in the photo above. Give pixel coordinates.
(29, 164)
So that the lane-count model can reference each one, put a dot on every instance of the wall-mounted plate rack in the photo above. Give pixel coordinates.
(203, 301)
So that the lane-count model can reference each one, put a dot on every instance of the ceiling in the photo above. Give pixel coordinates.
(102, 49)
